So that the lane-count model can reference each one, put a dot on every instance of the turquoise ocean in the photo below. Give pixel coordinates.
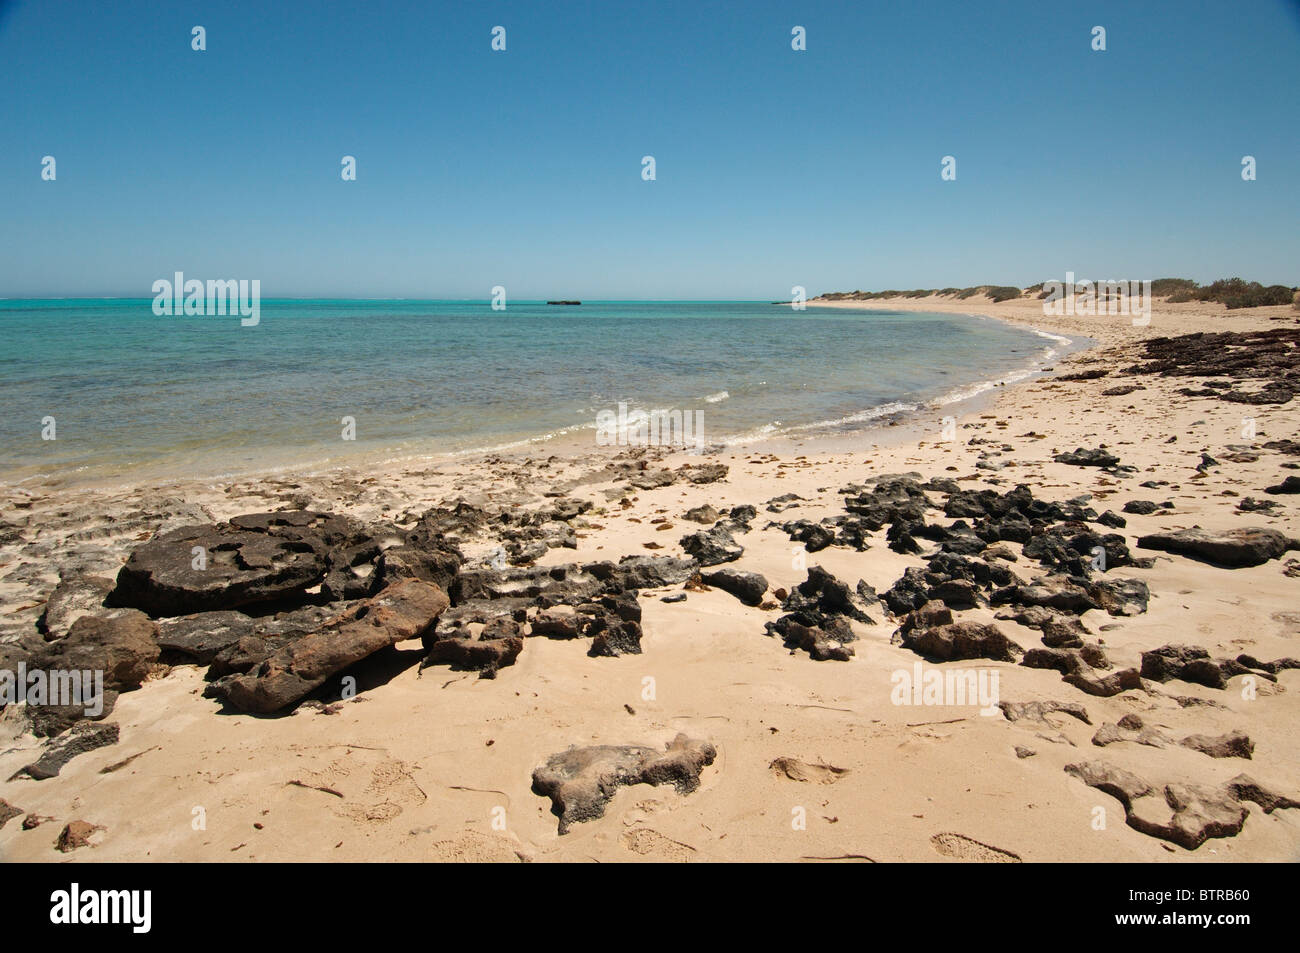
(136, 396)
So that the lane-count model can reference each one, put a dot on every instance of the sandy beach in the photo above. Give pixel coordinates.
(793, 749)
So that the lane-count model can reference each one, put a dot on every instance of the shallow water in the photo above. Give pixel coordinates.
(133, 393)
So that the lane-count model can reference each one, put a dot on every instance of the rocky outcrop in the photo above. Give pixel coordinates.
(401, 611)
(202, 568)
(818, 613)
(120, 644)
(483, 655)
(1191, 663)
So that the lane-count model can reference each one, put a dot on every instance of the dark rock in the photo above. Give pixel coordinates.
(1290, 485)
(822, 645)
(646, 572)
(120, 644)
(1189, 663)
(814, 536)
(404, 610)
(82, 737)
(438, 566)
(612, 637)
(241, 567)
(483, 655)
(713, 546)
(748, 587)
(1120, 597)
(961, 640)
(1232, 548)
(1087, 458)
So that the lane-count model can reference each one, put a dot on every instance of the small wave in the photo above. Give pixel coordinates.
(717, 398)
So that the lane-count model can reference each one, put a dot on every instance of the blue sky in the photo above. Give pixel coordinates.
(775, 167)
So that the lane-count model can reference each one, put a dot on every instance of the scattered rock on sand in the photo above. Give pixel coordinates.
(80, 738)
(1087, 458)
(7, 812)
(748, 587)
(1235, 744)
(581, 781)
(705, 514)
(1233, 548)
(75, 835)
(961, 640)
(712, 546)
(1185, 814)
(1038, 711)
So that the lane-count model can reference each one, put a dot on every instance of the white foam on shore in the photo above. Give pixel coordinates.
(1035, 366)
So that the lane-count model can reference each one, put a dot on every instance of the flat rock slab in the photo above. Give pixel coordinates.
(581, 781)
(205, 635)
(1185, 814)
(80, 738)
(76, 595)
(1234, 548)
(239, 567)
(404, 610)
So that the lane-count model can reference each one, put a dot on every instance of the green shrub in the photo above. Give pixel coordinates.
(1003, 293)
(1164, 287)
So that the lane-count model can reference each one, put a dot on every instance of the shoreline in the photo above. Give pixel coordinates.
(577, 439)
(910, 783)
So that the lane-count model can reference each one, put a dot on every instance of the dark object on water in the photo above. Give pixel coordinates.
(564, 302)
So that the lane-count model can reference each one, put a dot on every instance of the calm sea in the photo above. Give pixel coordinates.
(134, 394)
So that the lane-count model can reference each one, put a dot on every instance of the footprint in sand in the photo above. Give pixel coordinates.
(475, 847)
(796, 770)
(961, 847)
(655, 846)
(375, 788)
